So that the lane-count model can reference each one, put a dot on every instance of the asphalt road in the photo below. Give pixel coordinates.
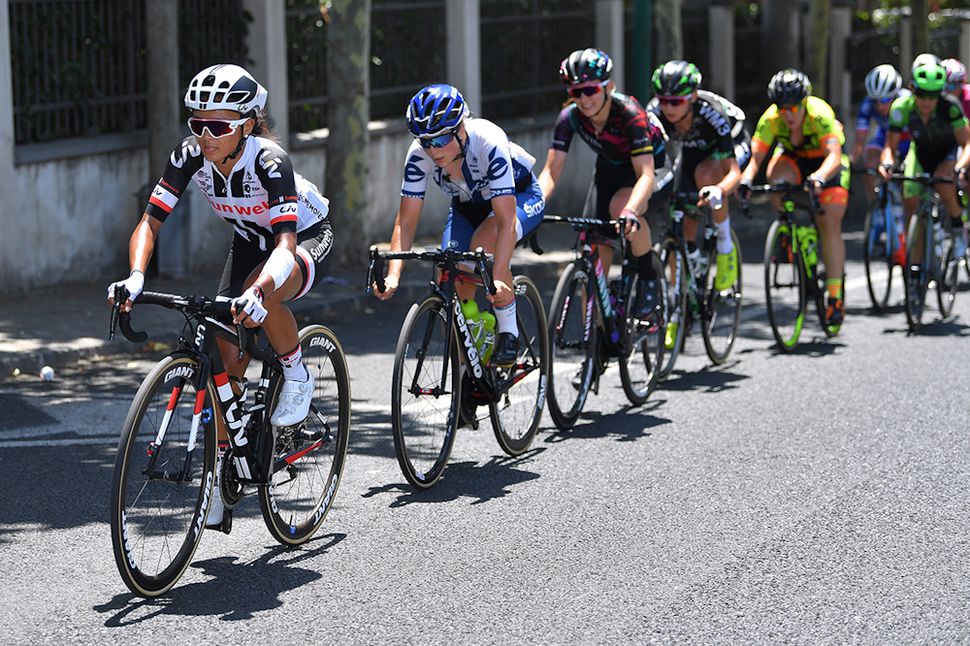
(820, 497)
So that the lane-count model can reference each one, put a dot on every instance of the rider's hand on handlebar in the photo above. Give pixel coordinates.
(885, 170)
(631, 223)
(390, 286)
(816, 183)
(712, 195)
(134, 284)
(248, 309)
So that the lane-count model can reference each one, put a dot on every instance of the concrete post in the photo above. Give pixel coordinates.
(840, 28)
(964, 51)
(609, 36)
(719, 75)
(464, 50)
(781, 38)
(267, 49)
(8, 243)
(905, 47)
(173, 251)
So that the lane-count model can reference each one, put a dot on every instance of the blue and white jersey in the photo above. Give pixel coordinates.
(492, 166)
(867, 113)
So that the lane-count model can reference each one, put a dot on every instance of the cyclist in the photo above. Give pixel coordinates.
(495, 198)
(956, 83)
(714, 149)
(809, 139)
(629, 148)
(883, 86)
(282, 236)
(937, 125)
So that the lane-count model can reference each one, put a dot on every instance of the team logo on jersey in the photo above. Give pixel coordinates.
(270, 162)
(249, 184)
(716, 119)
(204, 181)
(188, 149)
(496, 167)
(413, 172)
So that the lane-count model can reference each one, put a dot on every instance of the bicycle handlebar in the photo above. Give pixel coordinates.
(375, 267)
(185, 304)
(782, 187)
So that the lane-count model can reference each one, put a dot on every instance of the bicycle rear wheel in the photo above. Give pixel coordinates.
(721, 311)
(876, 254)
(163, 478)
(573, 336)
(916, 285)
(949, 279)
(675, 266)
(640, 367)
(522, 388)
(425, 393)
(308, 459)
(784, 286)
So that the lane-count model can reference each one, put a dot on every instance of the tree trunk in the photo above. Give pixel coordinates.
(348, 113)
(667, 30)
(921, 27)
(780, 36)
(817, 47)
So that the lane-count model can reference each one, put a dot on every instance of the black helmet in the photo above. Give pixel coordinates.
(585, 65)
(676, 78)
(789, 87)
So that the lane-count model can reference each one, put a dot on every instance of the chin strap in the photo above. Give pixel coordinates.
(239, 146)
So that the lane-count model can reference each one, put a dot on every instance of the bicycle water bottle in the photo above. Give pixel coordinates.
(475, 322)
(488, 335)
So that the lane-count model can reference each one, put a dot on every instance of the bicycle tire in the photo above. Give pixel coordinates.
(309, 457)
(569, 384)
(646, 348)
(949, 278)
(423, 447)
(677, 304)
(876, 254)
(786, 320)
(915, 308)
(166, 397)
(721, 312)
(515, 419)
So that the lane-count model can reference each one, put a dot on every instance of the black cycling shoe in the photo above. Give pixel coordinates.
(834, 312)
(506, 350)
(646, 305)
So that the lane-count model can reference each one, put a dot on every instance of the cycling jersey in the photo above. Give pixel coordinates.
(868, 113)
(934, 140)
(628, 132)
(819, 128)
(717, 126)
(493, 166)
(963, 96)
(262, 197)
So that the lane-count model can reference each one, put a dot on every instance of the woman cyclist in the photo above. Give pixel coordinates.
(495, 198)
(937, 126)
(809, 149)
(629, 147)
(956, 83)
(714, 149)
(883, 86)
(282, 237)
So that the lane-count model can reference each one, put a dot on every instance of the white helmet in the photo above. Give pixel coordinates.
(225, 87)
(956, 72)
(883, 82)
(925, 59)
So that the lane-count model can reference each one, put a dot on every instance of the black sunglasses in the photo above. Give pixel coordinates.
(926, 94)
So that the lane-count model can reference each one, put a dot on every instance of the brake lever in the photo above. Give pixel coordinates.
(120, 297)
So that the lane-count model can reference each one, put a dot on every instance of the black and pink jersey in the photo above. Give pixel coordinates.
(629, 132)
(262, 197)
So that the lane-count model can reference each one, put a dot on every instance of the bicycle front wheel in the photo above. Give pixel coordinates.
(308, 459)
(674, 262)
(573, 341)
(522, 388)
(163, 478)
(721, 312)
(784, 286)
(876, 254)
(916, 283)
(425, 393)
(640, 367)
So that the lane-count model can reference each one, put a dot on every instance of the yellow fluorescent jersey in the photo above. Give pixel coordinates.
(820, 127)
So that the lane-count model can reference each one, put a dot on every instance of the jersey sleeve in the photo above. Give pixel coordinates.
(497, 162)
(638, 131)
(184, 162)
(955, 114)
(899, 113)
(417, 167)
(275, 171)
(764, 133)
(562, 134)
(865, 115)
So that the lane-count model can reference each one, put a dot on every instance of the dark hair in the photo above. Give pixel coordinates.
(263, 129)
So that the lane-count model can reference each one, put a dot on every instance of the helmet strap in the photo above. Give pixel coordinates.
(239, 146)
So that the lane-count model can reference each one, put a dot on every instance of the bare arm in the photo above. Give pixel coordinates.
(405, 224)
(504, 208)
(643, 189)
(555, 161)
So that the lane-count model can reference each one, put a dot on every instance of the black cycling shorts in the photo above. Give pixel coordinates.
(313, 246)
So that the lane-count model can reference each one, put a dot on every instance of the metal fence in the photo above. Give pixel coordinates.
(869, 48)
(211, 32)
(306, 63)
(78, 68)
(523, 42)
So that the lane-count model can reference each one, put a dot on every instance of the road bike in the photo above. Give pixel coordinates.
(793, 273)
(441, 376)
(690, 284)
(884, 241)
(590, 323)
(166, 466)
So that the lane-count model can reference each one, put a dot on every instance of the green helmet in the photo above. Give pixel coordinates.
(676, 78)
(930, 77)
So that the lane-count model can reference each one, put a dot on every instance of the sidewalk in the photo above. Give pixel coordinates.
(59, 325)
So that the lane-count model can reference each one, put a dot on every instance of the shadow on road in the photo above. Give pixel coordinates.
(481, 482)
(628, 424)
(257, 586)
(933, 327)
(709, 379)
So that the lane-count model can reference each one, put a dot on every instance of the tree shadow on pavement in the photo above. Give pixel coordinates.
(480, 482)
(256, 586)
(628, 424)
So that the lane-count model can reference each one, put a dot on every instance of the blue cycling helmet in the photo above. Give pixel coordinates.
(435, 109)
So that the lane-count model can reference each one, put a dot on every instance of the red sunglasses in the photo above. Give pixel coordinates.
(671, 100)
(589, 90)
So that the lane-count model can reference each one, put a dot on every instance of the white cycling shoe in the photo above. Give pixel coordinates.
(217, 510)
(294, 402)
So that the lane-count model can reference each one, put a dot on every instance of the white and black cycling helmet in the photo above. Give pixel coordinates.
(924, 59)
(956, 72)
(225, 87)
(883, 82)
